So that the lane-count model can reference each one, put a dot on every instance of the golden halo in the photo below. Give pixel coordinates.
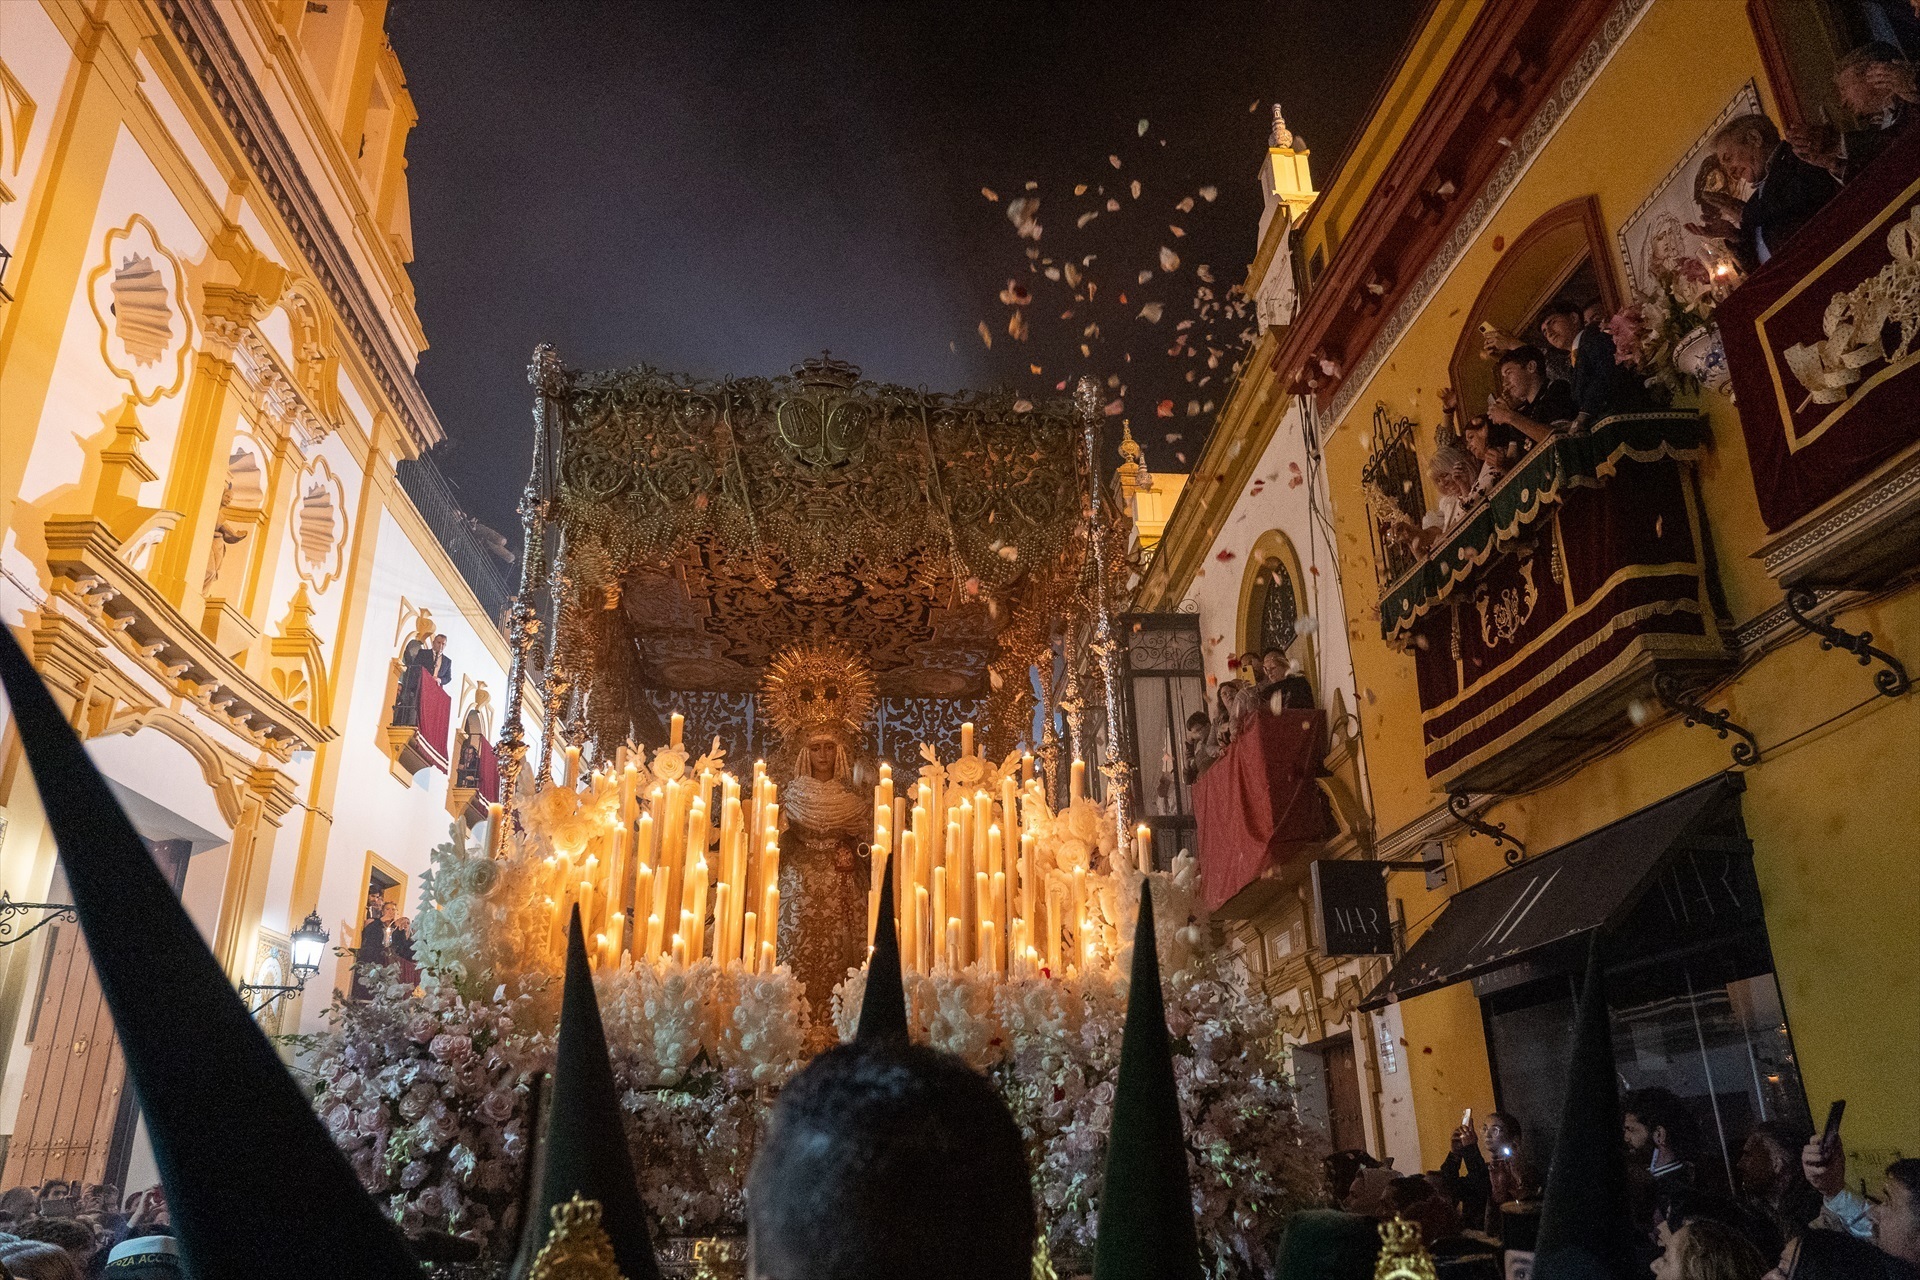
(823, 686)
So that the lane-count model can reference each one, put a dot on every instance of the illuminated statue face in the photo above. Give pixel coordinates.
(820, 758)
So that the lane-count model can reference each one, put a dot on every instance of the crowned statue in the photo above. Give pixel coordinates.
(818, 697)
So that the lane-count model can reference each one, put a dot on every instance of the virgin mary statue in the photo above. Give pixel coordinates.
(818, 697)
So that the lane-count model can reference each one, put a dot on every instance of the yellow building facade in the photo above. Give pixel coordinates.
(207, 412)
(1523, 153)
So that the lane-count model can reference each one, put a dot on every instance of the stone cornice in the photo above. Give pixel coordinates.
(209, 49)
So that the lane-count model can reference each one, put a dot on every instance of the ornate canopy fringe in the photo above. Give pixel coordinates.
(702, 526)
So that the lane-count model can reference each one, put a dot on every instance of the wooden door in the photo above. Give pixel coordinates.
(76, 1117)
(1345, 1127)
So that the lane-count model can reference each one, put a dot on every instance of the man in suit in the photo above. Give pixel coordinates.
(1786, 190)
(1876, 85)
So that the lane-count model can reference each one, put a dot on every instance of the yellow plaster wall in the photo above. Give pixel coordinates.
(1833, 814)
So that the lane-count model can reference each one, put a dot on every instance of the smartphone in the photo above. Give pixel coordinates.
(1466, 1118)
(1830, 1136)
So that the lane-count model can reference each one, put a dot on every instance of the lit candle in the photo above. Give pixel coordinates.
(999, 892)
(987, 952)
(1028, 884)
(1079, 915)
(772, 916)
(679, 950)
(1143, 847)
(653, 936)
(496, 831)
(982, 907)
(1077, 782)
(679, 727)
(922, 946)
(697, 934)
(966, 738)
(766, 957)
(954, 962)
(906, 884)
(939, 894)
(1026, 766)
(750, 940)
(573, 766)
(722, 913)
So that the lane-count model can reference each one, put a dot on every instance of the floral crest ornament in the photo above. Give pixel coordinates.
(1402, 1256)
(578, 1248)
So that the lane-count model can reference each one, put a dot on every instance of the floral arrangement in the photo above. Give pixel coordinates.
(1661, 331)
(426, 1092)
(426, 1088)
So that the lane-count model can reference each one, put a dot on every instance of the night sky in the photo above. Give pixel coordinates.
(727, 188)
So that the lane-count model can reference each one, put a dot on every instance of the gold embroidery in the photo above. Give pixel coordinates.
(578, 1248)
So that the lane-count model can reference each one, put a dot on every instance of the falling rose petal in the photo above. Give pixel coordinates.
(1253, 106)
(1079, 188)
(1208, 193)
(1164, 409)
(1114, 161)
(1022, 406)
(1205, 272)
(1113, 206)
(1123, 299)
(1185, 205)
(1151, 312)
(1113, 379)
(1115, 407)
(1207, 407)
(1032, 185)
(1178, 232)
(1017, 326)
(1012, 553)
(1658, 523)
(1024, 214)
(1193, 408)
(986, 334)
(1169, 260)
(989, 193)
(1174, 437)
(1183, 458)
(1015, 294)
(1081, 221)
(1083, 351)
(1033, 368)
(1062, 384)
(1140, 130)
(1144, 277)
(1224, 556)
(1051, 273)
(1073, 276)
(1135, 188)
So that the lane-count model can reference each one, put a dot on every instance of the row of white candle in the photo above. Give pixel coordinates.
(967, 888)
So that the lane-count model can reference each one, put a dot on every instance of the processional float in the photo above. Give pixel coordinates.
(691, 539)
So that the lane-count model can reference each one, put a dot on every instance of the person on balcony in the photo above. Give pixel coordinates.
(1495, 448)
(1530, 402)
(421, 659)
(1452, 470)
(1600, 386)
(1202, 749)
(1282, 687)
(1786, 190)
(473, 740)
(1876, 84)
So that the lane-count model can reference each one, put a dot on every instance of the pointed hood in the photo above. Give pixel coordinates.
(224, 1116)
(1586, 1227)
(1146, 1206)
(883, 1009)
(586, 1144)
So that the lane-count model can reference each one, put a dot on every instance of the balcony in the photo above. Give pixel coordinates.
(1538, 624)
(1823, 344)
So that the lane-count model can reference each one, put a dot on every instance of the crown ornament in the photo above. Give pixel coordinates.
(1402, 1256)
(819, 687)
(578, 1247)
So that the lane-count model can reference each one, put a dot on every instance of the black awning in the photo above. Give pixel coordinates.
(1591, 883)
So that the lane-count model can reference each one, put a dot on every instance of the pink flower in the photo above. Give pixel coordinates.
(450, 1048)
(496, 1106)
(415, 1101)
(421, 1027)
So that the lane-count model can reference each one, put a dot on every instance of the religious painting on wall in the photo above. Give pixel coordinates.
(1661, 255)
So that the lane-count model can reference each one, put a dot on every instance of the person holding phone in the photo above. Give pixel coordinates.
(1893, 1223)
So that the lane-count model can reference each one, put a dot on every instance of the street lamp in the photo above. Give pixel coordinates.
(309, 943)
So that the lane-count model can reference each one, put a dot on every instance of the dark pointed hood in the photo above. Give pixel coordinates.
(883, 1009)
(1586, 1225)
(1146, 1206)
(586, 1151)
(225, 1118)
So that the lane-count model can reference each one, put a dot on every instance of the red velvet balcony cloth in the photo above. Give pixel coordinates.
(489, 788)
(1258, 804)
(1805, 454)
(436, 708)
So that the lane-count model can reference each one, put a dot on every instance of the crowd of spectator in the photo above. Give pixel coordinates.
(64, 1230)
(1269, 680)
(386, 939)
